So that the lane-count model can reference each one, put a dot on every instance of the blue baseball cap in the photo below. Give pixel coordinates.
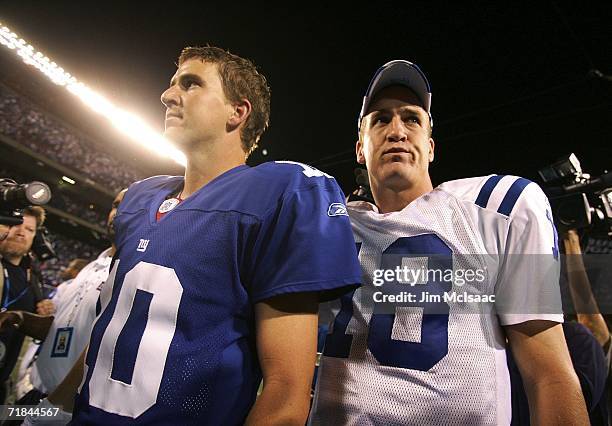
(403, 73)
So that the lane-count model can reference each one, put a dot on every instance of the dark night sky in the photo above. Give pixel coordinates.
(510, 86)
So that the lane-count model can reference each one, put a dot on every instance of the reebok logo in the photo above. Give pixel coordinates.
(336, 209)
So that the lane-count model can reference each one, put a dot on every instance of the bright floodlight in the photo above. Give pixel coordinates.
(125, 121)
(67, 179)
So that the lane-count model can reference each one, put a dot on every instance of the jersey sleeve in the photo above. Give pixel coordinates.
(306, 244)
(527, 287)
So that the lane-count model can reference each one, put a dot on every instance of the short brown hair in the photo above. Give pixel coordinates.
(38, 213)
(240, 79)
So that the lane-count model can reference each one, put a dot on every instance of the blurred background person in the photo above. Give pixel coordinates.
(588, 342)
(589, 316)
(19, 289)
(72, 270)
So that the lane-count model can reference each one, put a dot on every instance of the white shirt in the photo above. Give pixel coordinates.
(440, 362)
(75, 305)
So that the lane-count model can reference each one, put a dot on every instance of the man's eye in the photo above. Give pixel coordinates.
(380, 119)
(189, 83)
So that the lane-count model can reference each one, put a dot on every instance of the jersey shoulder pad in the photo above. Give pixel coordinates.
(140, 193)
(293, 175)
(499, 193)
(155, 181)
(361, 206)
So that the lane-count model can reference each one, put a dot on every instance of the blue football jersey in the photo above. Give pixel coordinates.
(175, 340)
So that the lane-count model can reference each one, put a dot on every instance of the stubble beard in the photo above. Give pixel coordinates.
(11, 249)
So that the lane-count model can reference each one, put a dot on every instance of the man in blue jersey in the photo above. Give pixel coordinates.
(217, 274)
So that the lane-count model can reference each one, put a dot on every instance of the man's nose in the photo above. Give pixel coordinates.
(170, 97)
(397, 130)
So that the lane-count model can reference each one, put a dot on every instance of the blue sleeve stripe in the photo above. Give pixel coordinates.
(487, 190)
(512, 196)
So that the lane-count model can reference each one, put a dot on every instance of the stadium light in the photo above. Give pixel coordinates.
(128, 123)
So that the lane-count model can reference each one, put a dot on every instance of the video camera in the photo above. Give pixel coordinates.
(14, 197)
(578, 200)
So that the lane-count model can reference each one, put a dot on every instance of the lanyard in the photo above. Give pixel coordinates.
(6, 302)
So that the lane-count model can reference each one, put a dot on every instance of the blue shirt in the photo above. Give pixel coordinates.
(175, 341)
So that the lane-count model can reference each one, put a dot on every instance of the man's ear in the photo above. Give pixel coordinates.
(432, 146)
(240, 112)
(359, 152)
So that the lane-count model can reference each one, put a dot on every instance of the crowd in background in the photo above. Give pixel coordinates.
(27, 124)
(81, 210)
(66, 249)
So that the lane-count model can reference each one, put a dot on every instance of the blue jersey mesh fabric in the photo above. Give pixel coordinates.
(191, 280)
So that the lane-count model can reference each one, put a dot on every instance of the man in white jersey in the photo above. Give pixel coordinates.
(410, 347)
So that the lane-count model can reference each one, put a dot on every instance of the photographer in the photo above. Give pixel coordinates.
(587, 310)
(19, 288)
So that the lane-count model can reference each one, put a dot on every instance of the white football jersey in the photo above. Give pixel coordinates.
(441, 360)
(74, 317)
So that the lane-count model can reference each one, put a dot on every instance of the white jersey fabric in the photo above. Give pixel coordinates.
(440, 363)
(75, 305)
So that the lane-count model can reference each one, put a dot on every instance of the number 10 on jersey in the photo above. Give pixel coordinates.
(390, 352)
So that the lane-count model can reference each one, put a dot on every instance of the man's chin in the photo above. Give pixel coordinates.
(13, 250)
(175, 135)
(398, 169)
(399, 174)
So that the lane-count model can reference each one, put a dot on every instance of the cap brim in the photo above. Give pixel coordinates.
(399, 72)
